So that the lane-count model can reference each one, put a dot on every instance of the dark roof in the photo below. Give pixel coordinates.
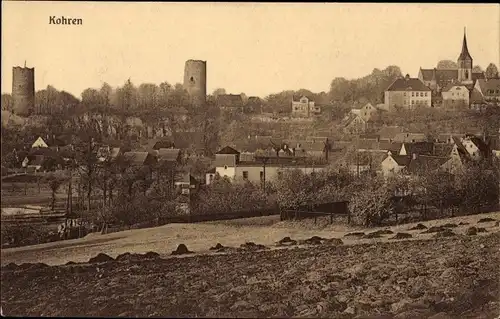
(402, 160)
(211, 171)
(364, 159)
(35, 160)
(185, 178)
(445, 137)
(137, 158)
(228, 151)
(369, 136)
(409, 137)
(478, 75)
(168, 154)
(442, 149)
(481, 145)
(489, 85)
(60, 140)
(464, 55)
(410, 84)
(449, 86)
(374, 145)
(420, 148)
(254, 100)
(229, 100)
(45, 151)
(441, 76)
(297, 97)
(389, 132)
(163, 144)
(423, 163)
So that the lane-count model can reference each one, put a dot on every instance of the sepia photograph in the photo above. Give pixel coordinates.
(250, 160)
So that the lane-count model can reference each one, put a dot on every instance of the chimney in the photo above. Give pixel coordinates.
(414, 156)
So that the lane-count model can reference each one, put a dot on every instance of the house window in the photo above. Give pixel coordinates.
(404, 94)
(412, 93)
(261, 176)
(245, 174)
(426, 94)
(412, 102)
(280, 174)
(225, 166)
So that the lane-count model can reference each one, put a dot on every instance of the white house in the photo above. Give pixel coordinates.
(39, 143)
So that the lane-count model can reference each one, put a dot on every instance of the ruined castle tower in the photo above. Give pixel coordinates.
(23, 90)
(195, 81)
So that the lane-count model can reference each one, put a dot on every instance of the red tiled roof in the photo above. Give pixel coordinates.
(410, 84)
(449, 86)
(420, 148)
(490, 87)
(229, 100)
(389, 132)
(423, 163)
(442, 149)
(228, 150)
(402, 160)
(168, 154)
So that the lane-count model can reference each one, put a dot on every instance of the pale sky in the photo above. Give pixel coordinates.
(252, 48)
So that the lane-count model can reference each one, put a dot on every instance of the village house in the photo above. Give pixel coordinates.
(488, 91)
(376, 145)
(388, 133)
(476, 147)
(230, 102)
(368, 112)
(266, 166)
(410, 137)
(394, 164)
(33, 163)
(422, 157)
(108, 153)
(304, 107)
(354, 123)
(407, 93)
(144, 162)
(254, 105)
(455, 96)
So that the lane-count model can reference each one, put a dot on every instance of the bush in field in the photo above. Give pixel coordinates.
(371, 205)
(478, 185)
(223, 196)
(295, 188)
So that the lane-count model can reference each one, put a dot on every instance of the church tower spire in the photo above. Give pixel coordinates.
(464, 63)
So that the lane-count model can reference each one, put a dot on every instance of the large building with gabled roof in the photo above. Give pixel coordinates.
(407, 93)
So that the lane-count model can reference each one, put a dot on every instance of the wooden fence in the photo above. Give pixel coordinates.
(314, 210)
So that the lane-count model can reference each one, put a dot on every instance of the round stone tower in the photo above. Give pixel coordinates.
(23, 90)
(195, 81)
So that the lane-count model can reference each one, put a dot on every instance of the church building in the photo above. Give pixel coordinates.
(438, 79)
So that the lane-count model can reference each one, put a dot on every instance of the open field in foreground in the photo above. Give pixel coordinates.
(424, 277)
(200, 237)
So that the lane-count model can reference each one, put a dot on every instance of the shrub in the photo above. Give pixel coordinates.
(371, 206)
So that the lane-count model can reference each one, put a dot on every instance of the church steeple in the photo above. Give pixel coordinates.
(464, 55)
(464, 63)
